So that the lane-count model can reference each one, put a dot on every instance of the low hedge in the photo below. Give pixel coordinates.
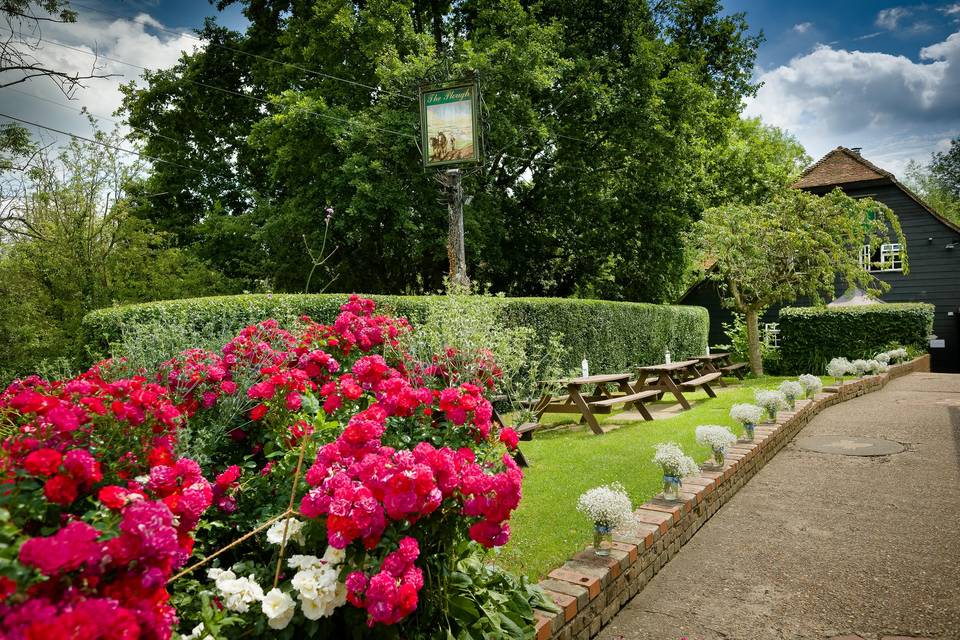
(613, 335)
(811, 336)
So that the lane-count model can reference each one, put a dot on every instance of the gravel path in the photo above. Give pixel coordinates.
(823, 545)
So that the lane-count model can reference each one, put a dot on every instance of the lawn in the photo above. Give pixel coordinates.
(547, 528)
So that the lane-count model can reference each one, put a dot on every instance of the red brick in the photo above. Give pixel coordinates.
(575, 591)
(568, 604)
(589, 559)
(676, 509)
(629, 548)
(590, 583)
(544, 626)
(701, 481)
(692, 492)
(658, 518)
(637, 533)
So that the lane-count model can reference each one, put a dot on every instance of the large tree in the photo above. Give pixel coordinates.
(938, 182)
(68, 245)
(792, 246)
(599, 121)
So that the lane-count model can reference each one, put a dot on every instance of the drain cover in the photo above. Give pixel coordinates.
(850, 445)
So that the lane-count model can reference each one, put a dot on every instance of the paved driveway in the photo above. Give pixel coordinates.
(821, 545)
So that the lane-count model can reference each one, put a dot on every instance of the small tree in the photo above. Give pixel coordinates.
(795, 245)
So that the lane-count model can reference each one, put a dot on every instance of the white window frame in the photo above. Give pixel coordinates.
(771, 334)
(891, 258)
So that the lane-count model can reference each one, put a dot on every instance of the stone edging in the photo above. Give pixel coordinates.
(590, 590)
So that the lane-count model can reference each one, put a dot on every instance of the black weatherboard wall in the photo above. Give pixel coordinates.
(933, 247)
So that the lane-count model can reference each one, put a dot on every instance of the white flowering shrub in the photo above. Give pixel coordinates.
(316, 584)
(745, 413)
(791, 390)
(839, 367)
(897, 355)
(673, 461)
(811, 384)
(716, 437)
(607, 506)
(771, 401)
(294, 529)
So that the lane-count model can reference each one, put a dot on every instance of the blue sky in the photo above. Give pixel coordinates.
(878, 75)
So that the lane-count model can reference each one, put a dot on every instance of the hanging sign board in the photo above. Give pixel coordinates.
(448, 124)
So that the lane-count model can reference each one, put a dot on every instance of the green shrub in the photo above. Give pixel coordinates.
(614, 336)
(811, 336)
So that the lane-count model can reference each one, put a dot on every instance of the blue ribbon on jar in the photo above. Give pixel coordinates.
(599, 528)
(673, 479)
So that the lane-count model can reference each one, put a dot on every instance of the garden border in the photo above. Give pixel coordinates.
(590, 590)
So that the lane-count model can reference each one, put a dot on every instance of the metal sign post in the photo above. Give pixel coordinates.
(450, 138)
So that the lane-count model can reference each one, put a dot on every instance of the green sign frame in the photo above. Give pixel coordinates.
(449, 124)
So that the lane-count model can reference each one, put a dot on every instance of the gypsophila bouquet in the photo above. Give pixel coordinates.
(897, 355)
(745, 413)
(607, 506)
(673, 461)
(791, 391)
(860, 367)
(839, 367)
(717, 438)
(883, 357)
(811, 384)
(771, 401)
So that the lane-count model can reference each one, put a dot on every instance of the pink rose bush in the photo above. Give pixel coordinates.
(115, 480)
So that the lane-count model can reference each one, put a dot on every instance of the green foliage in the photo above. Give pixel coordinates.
(614, 336)
(795, 245)
(69, 245)
(811, 336)
(739, 345)
(597, 130)
(938, 182)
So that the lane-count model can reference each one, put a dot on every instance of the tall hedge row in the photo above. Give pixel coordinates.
(811, 336)
(613, 335)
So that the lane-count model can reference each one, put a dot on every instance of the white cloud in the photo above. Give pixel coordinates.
(127, 40)
(893, 107)
(951, 9)
(890, 18)
(802, 27)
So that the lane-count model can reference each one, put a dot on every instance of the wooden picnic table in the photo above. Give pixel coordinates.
(579, 400)
(709, 362)
(673, 377)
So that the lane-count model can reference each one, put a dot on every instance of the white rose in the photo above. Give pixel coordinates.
(334, 556)
(304, 562)
(294, 529)
(279, 608)
(240, 593)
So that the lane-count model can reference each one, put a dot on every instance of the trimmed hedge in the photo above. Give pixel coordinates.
(811, 336)
(613, 335)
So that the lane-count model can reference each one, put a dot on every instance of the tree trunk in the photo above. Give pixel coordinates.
(753, 342)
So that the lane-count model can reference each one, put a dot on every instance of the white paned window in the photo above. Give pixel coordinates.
(771, 334)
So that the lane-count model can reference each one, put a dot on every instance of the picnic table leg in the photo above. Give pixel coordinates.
(709, 367)
(706, 387)
(584, 409)
(638, 404)
(667, 383)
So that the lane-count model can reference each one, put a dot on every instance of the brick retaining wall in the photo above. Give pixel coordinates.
(590, 590)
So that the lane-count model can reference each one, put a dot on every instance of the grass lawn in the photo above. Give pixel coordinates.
(547, 528)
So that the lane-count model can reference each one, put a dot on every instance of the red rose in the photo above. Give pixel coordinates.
(7, 588)
(43, 462)
(509, 437)
(258, 412)
(113, 497)
(60, 490)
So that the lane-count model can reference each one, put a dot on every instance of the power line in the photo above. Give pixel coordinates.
(242, 52)
(84, 110)
(213, 87)
(98, 142)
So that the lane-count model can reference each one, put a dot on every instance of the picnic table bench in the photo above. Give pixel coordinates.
(709, 362)
(578, 400)
(728, 368)
(674, 378)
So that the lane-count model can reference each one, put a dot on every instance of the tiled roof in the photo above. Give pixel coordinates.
(838, 167)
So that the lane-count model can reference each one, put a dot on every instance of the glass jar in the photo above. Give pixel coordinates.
(718, 457)
(602, 539)
(671, 488)
(748, 431)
